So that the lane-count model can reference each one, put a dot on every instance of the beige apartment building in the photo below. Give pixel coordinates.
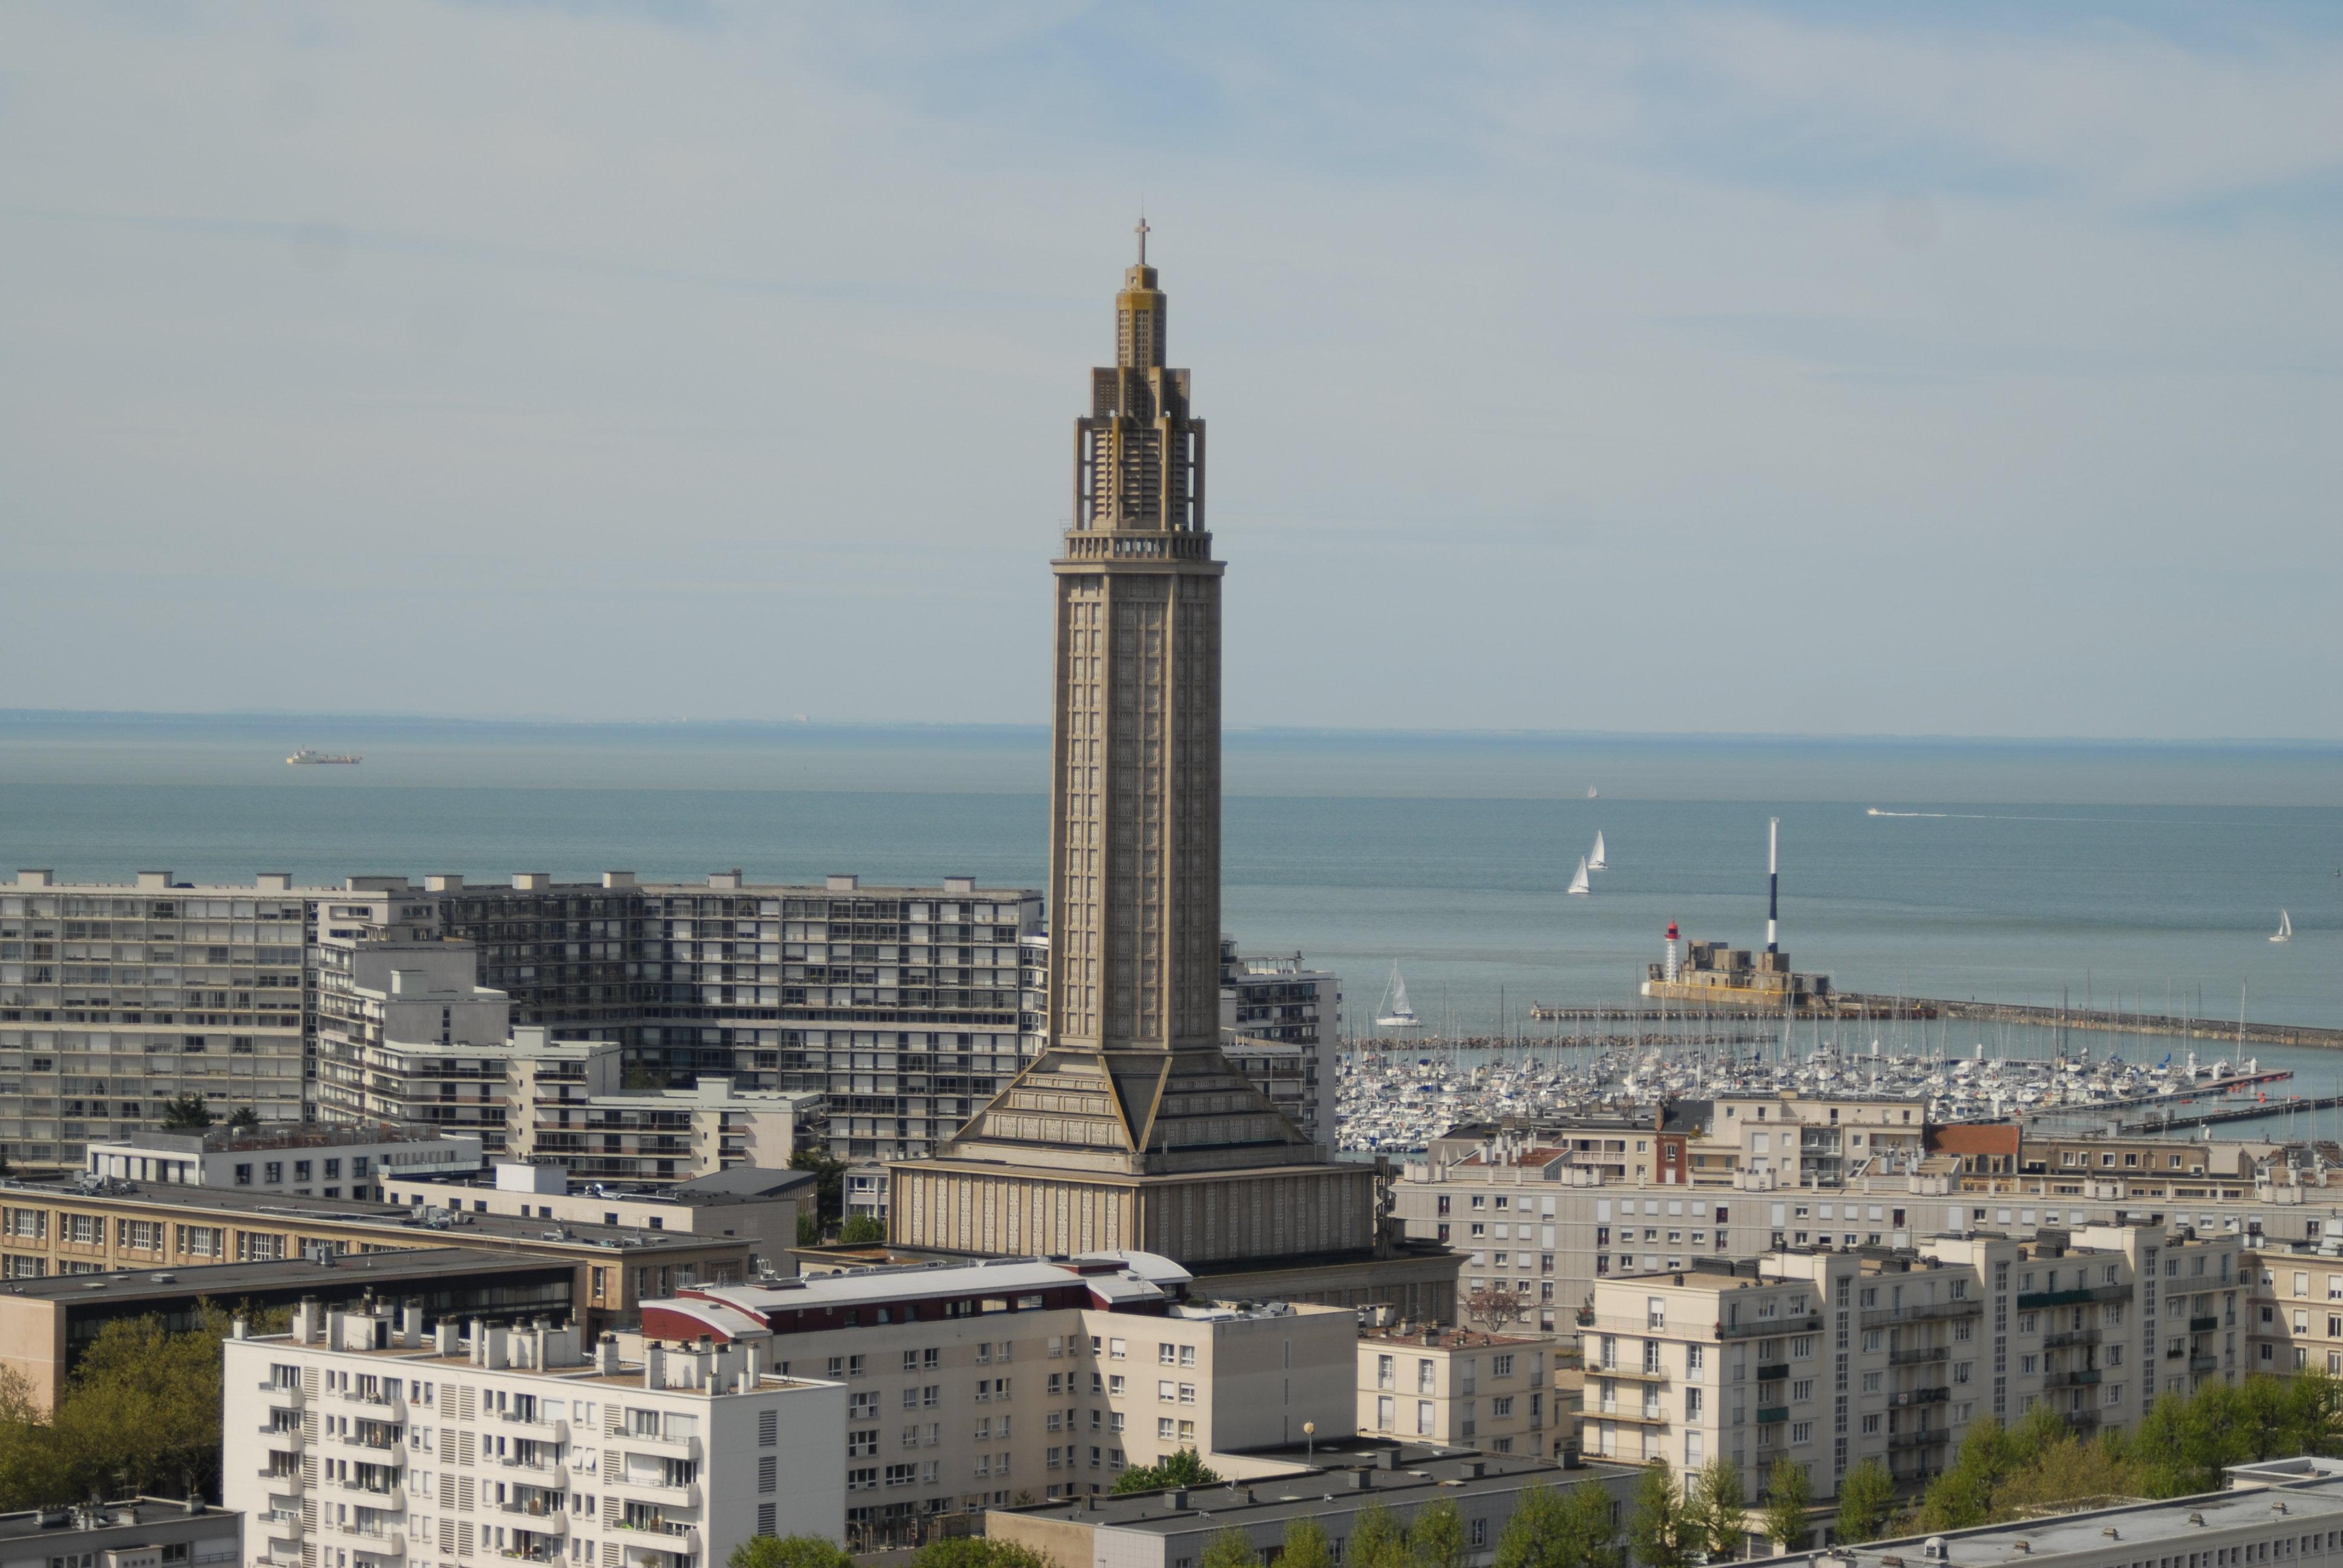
(1831, 1358)
(985, 1384)
(47, 1229)
(1456, 1389)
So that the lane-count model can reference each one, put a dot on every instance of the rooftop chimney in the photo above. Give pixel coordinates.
(839, 882)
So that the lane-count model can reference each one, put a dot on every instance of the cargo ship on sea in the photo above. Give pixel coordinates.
(305, 758)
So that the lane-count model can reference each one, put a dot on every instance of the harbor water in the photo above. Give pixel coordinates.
(2141, 877)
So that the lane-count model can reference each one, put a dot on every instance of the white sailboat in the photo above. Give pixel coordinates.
(1595, 862)
(1579, 882)
(2284, 932)
(1393, 1012)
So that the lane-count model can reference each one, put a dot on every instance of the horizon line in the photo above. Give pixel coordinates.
(1009, 728)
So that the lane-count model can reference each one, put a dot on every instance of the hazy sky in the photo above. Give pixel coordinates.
(1964, 369)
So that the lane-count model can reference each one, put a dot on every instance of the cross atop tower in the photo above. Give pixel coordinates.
(1142, 232)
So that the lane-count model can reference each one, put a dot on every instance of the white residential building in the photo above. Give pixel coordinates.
(309, 1162)
(359, 1441)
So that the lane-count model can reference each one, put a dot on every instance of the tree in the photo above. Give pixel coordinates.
(1306, 1545)
(2068, 1471)
(244, 1120)
(1230, 1549)
(1866, 1503)
(979, 1551)
(1657, 1529)
(861, 1230)
(1182, 1468)
(1436, 1537)
(789, 1552)
(1716, 1509)
(1377, 1540)
(1495, 1307)
(1962, 1497)
(829, 1183)
(186, 1113)
(1560, 1529)
(1788, 1494)
(641, 1080)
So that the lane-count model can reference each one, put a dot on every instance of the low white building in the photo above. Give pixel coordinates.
(312, 1162)
(759, 1204)
(358, 1440)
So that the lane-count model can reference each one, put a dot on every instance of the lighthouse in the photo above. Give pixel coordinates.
(1673, 969)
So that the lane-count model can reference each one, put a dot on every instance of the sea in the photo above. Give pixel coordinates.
(2139, 876)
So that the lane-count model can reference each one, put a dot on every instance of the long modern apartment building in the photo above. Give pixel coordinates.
(1830, 1358)
(116, 998)
(360, 1438)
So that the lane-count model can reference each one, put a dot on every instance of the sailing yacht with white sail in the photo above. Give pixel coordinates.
(2284, 932)
(1393, 1012)
(1595, 862)
(1579, 882)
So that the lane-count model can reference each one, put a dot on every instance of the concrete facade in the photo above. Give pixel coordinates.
(987, 1384)
(135, 1532)
(1831, 1358)
(306, 1162)
(1132, 1129)
(362, 1435)
(1456, 1389)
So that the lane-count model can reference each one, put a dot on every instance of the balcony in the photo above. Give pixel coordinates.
(2082, 1420)
(1774, 1372)
(2075, 1298)
(1937, 1395)
(290, 1393)
(681, 1494)
(1921, 1313)
(664, 1447)
(2203, 1363)
(1917, 1356)
(1768, 1414)
(2204, 1325)
(1809, 1324)
(1643, 1415)
(2075, 1378)
(2072, 1337)
(1634, 1375)
(1904, 1440)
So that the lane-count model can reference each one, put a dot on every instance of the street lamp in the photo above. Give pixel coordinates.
(1310, 1440)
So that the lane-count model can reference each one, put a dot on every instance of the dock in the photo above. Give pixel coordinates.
(2233, 1113)
(1854, 1005)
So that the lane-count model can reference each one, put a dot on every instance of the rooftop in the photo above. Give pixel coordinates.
(2279, 1499)
(404, 1222)
(1349, 1471)
(1116, 1274)
(308, 1135)
(227, 1282)
(1446, 1339)
(128, 1513)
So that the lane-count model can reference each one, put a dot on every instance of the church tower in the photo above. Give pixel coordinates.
(1130, 1129)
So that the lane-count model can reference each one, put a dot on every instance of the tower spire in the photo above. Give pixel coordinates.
(1141, 231)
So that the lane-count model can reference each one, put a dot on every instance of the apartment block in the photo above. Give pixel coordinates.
(975, 1386)
(556, 1113)
(1831, 1358)
(116, 998)
(307, 1161)
(362, 1438)
(48, 1229)
(751, 1203)
(1456, 1389)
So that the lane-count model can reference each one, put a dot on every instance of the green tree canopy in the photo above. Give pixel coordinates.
(186, 1113)
(1565, 1528)
(1230, 1549)
(1658, 1531)
(1183, 1467)
(789, 1552)
(1788, 1495)
(861, 1230)
(830, 1184)
(1716, 1509)
(1866, 1503)
(979, 1551)
(1377, 1540)
(1435, 1537)
(1306, 1545)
